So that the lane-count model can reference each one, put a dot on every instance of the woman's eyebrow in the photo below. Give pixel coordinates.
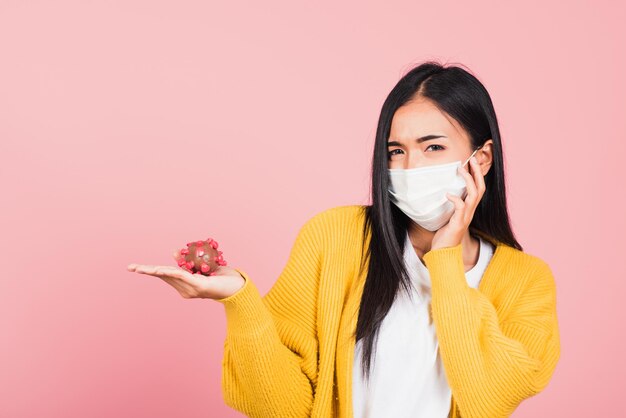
(419, 140)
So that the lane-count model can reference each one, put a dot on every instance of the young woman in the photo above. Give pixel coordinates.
(422, 304)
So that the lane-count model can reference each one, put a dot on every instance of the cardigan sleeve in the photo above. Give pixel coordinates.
(493, 363)
(269, 367)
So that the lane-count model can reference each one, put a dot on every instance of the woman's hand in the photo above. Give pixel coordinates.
(225, 282)
(451, 234)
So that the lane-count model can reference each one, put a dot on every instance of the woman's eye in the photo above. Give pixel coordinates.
(391, 153)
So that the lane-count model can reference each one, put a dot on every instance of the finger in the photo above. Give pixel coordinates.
(158, 271)
(472, 198)
(177, 255)
(181, 286)
(478, 187)
(459, 206)
(176, 272)
(472, 192)
(185, 277)
(133, 267)
(184, 281)
(178, 278)
(478, 175)
(144, 269)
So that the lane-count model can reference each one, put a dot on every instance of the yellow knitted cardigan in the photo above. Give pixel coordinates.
(290, 353)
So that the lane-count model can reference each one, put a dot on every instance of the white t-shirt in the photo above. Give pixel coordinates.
(407, 378)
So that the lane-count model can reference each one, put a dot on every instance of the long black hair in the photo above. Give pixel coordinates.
(461, 95)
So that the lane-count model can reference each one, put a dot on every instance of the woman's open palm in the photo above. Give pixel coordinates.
(225, 282)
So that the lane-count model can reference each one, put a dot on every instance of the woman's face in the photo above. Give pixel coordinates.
(421, 135)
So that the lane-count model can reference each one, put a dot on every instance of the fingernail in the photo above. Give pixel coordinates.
(474, 159)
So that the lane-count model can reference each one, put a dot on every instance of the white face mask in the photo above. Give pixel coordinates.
(421, 192)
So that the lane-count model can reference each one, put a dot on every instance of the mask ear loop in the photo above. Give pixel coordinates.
(468, 158)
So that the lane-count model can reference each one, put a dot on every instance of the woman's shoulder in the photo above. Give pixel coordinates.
(335, 224)
(523, 264)
(342, 210)
(522, 267)
(338, 215)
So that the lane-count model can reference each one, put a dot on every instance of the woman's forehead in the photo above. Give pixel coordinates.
(420, 119)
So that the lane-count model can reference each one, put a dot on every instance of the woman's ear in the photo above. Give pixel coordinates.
(484, 156)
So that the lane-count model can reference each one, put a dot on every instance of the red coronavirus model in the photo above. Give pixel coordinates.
(201, 257)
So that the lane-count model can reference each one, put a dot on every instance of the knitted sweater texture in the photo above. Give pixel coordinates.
(290, 353)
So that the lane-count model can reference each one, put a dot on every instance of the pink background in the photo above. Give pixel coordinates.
(128, 128)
